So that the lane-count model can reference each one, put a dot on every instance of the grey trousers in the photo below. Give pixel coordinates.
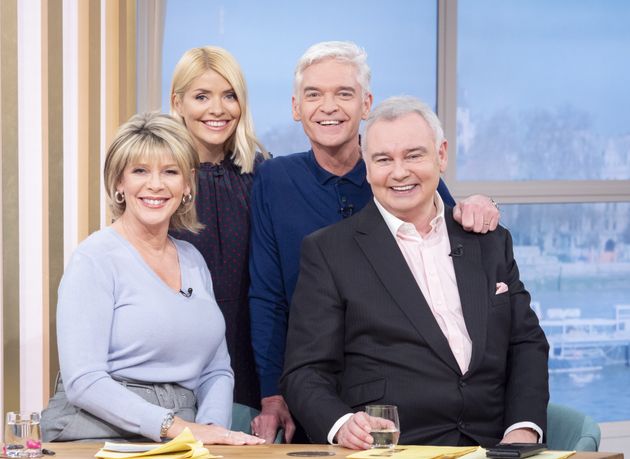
(62, 421)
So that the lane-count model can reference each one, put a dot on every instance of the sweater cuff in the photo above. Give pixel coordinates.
(269, 385)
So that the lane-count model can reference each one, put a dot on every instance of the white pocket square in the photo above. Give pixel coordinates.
(501, 288)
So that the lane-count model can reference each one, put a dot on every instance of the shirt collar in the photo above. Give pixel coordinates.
(395, 224)
(356, 176)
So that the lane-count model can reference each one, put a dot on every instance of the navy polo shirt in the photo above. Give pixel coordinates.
(292, 196)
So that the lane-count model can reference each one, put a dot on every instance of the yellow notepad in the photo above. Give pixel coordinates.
(416, 452)
(184, 446)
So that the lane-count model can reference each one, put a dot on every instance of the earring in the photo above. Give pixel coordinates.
(119, 197)
(186, 199)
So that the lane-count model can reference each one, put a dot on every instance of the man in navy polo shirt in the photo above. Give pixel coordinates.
(294, 195)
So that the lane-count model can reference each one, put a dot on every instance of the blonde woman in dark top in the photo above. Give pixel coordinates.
(209, 96)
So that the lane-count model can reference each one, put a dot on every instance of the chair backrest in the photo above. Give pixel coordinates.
(568, 430)
(242, 416)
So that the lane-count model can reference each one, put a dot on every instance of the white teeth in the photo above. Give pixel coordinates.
(219, 123)
(329, 123)
(403, 188)
(154, 202)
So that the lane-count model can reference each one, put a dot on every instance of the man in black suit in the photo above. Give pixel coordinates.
(399, 305)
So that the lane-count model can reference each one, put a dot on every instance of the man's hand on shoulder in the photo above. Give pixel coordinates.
(521, 436)
(477, 213)
(274, 415)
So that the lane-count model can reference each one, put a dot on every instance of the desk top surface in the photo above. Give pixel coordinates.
(88, 450)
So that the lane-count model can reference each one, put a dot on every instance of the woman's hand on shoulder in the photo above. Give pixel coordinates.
(212, 434)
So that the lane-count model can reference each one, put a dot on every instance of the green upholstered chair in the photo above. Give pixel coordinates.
(242, 416)
(568, 430)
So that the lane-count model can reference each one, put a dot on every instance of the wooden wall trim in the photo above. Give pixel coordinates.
(89, 122)
(120, 67)
(54, 164)
(151, 15)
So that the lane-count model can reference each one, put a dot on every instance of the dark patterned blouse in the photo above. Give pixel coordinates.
(223, 207)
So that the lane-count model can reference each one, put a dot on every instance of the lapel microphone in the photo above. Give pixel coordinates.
(346, 211)
(188, 293)
(458, 251)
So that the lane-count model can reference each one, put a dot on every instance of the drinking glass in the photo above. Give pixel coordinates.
(22, 435)
(386, 435)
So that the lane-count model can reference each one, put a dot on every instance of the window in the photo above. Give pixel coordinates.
(540, 90)
(541, 125)
(540, 119)
(575, 261)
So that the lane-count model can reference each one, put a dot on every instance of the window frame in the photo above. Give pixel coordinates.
(509, 192)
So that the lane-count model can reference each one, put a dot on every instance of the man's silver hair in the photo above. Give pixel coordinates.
(396, 107)
(342, 51)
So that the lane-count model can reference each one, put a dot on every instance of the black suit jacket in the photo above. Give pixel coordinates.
(361, 332)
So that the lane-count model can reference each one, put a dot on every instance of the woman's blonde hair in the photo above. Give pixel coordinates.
(194, 63)
(145, 137)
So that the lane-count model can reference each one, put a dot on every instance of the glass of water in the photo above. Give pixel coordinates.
(386, 430)
(22, 436)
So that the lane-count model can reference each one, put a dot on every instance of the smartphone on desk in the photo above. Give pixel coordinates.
(515, 450)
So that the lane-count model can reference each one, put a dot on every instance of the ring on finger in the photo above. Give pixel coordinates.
(229, 432)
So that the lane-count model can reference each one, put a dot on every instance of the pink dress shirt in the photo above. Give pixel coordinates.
(428, 260)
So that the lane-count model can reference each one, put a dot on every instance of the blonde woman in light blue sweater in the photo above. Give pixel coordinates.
(141, 339)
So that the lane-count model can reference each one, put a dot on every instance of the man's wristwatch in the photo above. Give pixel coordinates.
(167, 422)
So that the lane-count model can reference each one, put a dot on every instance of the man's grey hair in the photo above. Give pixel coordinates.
(396, 107)
(341, 51)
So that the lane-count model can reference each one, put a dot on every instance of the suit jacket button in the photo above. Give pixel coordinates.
(462, 383)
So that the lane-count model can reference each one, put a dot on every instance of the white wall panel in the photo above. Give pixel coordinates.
(30, 146)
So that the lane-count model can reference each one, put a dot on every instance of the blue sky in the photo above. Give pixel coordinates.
(543, 53)
(534, 53)
(268, 37)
